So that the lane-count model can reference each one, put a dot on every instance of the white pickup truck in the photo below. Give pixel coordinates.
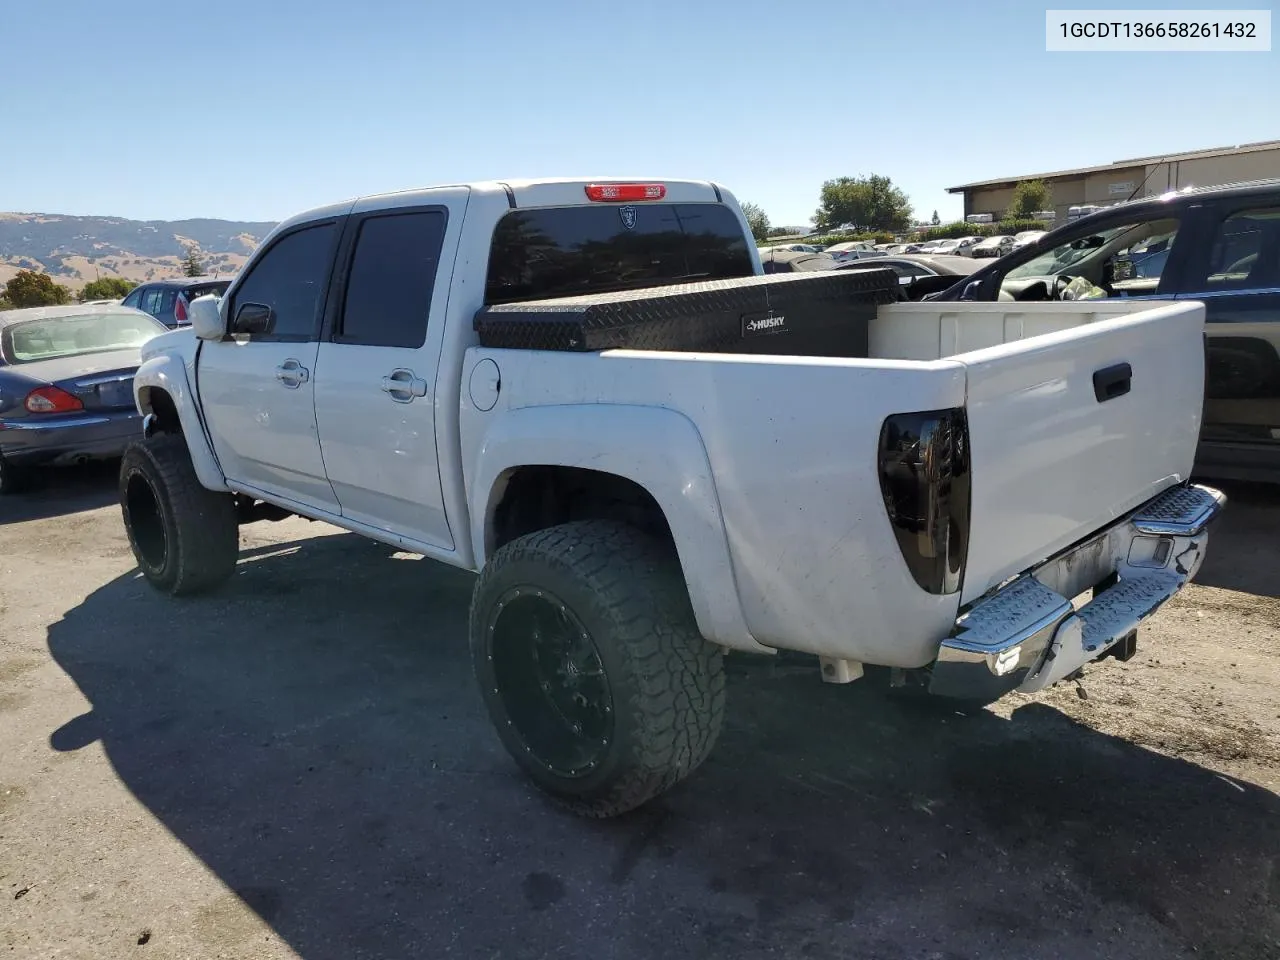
(653, 454)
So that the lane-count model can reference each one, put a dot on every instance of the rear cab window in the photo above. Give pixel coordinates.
(551, 252)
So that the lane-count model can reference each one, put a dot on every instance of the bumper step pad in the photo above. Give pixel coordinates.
(1101, 623)
(1179, 512)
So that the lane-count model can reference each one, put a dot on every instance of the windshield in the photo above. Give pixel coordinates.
(567, 251)
(29, 341)
(1059, 258)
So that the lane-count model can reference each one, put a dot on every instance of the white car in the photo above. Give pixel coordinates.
(795, 463)
(1026, 238)
(852, 250)
(957, 247)
(992, 247)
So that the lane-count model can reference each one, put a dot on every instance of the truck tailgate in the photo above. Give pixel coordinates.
(1070, 430)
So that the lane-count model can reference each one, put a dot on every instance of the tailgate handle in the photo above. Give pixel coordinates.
(1111, 382)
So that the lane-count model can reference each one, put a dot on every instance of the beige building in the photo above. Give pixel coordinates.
(1140, 177)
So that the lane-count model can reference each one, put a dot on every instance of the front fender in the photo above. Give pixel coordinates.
(658, 449)
(168, 373)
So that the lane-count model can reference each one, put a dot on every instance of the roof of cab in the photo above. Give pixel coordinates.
(513, 188)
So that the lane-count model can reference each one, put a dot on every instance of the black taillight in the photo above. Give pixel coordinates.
(924, 476)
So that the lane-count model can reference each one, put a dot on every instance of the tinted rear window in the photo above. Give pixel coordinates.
(199, 291)
(566, 251)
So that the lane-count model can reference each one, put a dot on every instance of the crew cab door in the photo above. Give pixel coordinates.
(1235, 272)
(257, 384)
(376, 384)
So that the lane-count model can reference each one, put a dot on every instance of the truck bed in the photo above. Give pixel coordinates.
(1076, 413)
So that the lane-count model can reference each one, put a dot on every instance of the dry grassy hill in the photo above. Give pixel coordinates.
(75, 250)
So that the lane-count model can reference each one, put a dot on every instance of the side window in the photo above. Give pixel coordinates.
(134, 299)
(151, 301)
(290, 279)
(1123, 260)
(165, 310)
(393, 272)
(1245, 254)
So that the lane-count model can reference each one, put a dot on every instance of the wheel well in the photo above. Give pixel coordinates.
(537, 497)
(164, 410)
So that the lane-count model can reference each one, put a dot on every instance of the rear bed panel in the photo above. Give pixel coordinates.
(1052, 463)
(792, 444)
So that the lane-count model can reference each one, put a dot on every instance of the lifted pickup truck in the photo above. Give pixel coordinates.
(653, 453)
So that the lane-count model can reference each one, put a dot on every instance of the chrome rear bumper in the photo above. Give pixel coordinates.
(1028, 635)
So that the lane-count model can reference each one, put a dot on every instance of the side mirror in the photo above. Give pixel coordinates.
(205, 317)
(253, 318)
(1123, 269)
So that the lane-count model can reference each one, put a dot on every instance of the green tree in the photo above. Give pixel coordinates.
(1029, 197)
(757, 220)
(107, 288)
(936, 219)
(863, 204)
(192, 265)
(31, 289)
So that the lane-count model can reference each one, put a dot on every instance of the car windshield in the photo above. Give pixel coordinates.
(1064, 255)
(29, 341)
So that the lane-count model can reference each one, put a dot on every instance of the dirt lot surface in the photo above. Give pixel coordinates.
(299, 766)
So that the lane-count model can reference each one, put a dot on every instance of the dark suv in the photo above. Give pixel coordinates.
(167, 300)
(1220, 245)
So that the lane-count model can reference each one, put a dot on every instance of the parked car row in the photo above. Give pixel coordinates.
(971, 246)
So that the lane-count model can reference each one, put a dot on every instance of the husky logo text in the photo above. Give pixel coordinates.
(628, 215)
(755, 325)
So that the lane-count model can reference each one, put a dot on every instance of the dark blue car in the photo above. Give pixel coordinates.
(66, 385)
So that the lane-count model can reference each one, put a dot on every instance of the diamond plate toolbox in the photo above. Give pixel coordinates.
(823, 313)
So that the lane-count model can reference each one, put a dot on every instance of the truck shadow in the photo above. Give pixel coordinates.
(312, 734)
(1251, 523)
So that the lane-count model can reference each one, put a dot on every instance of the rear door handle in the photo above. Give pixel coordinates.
(1113, 381)
(403, 385)
(292, 373)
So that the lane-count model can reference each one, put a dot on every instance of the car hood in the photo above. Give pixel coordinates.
(68, 368)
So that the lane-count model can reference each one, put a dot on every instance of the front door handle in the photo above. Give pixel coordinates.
(403, 385)
(292, 373)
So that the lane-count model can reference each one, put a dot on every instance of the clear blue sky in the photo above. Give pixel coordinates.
(255, 110)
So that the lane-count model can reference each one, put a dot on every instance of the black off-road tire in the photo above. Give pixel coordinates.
(13, 479)
(185, 537)
(665, 682)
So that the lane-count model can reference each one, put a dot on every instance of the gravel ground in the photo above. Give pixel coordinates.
(300, 767)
